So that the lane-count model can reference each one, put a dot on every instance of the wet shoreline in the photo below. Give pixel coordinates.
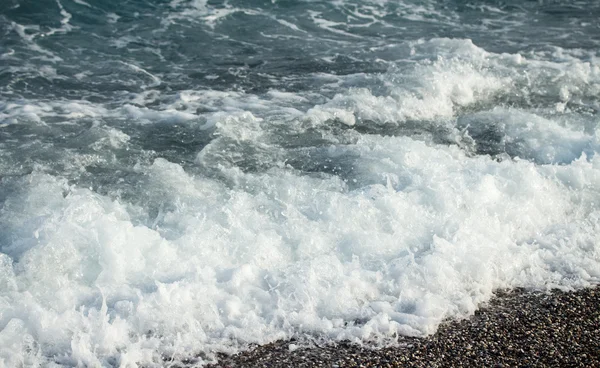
(516, 328)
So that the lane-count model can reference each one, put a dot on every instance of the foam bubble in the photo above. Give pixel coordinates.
(322, 212)
(427, 234)
(528, 136)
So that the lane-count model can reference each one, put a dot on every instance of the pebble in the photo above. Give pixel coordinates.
(516, 328)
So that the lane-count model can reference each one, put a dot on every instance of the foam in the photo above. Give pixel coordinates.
(65, 25)
(186, 11)
(12, 112)
(282, 254)
(441, 88)
(298, 217)
(29, 40)
(463, 76)
(532, 137)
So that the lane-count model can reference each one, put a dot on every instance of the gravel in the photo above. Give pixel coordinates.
(517, 328)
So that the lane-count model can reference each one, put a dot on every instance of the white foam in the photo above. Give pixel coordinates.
(155, 80)
(65, 25)
(411, 233)
(35, 111)
(462, 75)
(81, 2)
(428, 234)
(434, 93)
(328, 25)
(29, 39)
(112, 18)
(533, 137)
(193, 10)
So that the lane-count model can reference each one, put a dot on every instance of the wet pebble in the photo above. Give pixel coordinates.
(517, 328)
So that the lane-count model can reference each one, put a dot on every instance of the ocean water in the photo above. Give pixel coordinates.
(181, 178)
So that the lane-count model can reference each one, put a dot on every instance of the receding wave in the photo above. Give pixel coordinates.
(186, 178)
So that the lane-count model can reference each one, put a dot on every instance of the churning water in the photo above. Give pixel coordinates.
(185, 177)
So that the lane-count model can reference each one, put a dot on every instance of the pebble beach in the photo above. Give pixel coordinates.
(516, 328)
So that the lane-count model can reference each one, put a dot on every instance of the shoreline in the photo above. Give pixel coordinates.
(516, 328)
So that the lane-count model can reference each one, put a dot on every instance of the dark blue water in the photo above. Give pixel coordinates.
(183, 177)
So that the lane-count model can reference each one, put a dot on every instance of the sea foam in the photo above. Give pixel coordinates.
(427, 233)
(299, 215)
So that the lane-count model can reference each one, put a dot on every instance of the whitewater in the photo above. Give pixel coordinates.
(185, 178)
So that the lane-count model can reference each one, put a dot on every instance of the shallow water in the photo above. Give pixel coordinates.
(189, 177)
